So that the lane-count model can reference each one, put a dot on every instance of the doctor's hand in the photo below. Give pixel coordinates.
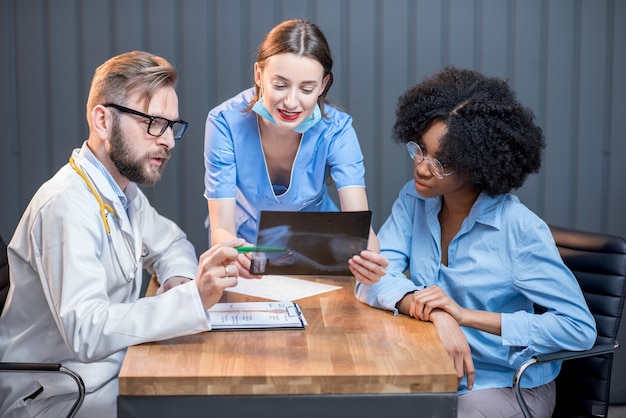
(368, 267)
(171, 283)
(217, 270)
(244, 261)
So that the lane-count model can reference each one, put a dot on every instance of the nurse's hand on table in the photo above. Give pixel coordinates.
(217, 270)
(368, 267)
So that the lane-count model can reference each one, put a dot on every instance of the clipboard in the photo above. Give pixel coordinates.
(312, 243)
(256, 316)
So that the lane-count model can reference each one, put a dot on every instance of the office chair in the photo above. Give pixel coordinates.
(33, 367)
(599, 263)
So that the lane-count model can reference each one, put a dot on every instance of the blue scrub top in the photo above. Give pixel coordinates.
(235, 166)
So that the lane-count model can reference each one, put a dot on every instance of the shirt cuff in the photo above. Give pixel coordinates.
(515, 329)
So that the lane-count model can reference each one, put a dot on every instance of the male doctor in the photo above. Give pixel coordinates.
(77, 255)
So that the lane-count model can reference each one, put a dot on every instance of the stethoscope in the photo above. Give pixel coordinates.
(104, 208)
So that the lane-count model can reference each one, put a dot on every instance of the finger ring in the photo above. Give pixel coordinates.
(225, 271)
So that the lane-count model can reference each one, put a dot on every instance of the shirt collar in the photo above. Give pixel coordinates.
(89, 156)
(486, 209)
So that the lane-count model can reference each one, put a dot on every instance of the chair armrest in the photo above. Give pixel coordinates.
(30, 367)
(550, 358)
(569, 355)
(49, 368)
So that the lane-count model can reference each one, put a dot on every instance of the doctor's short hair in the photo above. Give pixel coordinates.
(490, 138)
(130, 73)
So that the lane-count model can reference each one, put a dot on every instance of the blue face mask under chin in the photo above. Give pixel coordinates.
(260, 109)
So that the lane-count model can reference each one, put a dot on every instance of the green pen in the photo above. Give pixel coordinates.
(261, 250)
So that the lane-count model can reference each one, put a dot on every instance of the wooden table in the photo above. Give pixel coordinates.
(351, 360)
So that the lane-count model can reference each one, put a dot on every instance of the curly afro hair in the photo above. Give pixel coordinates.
(491, 138)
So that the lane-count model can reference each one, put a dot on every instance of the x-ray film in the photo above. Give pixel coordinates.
(314, 243)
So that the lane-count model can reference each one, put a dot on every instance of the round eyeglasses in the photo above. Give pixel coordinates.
(157, 125)
(418, 156)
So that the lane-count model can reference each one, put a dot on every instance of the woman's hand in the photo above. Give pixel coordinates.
(425, 301)
(455, 344)
(368, 267)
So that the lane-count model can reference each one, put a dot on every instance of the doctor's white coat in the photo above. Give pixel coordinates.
(74, 300)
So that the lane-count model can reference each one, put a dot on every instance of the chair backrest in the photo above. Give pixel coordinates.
(4, 273)
(599, 263)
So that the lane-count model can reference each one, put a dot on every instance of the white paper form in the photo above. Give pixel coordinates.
(280, 287)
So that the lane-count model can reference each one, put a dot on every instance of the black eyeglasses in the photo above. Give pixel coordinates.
(157, 125)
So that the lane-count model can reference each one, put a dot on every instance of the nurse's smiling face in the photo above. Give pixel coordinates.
(291, 86)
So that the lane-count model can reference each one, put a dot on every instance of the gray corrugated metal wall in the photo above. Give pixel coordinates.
(566, 59)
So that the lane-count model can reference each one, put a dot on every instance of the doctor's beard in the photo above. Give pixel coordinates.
(131, 166)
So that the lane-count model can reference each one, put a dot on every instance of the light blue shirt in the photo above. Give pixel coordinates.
(235, 164)
(503, 259)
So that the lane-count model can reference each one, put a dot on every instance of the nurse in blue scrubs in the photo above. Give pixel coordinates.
(272, 146)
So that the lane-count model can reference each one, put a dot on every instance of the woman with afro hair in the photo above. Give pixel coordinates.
(476, 258)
